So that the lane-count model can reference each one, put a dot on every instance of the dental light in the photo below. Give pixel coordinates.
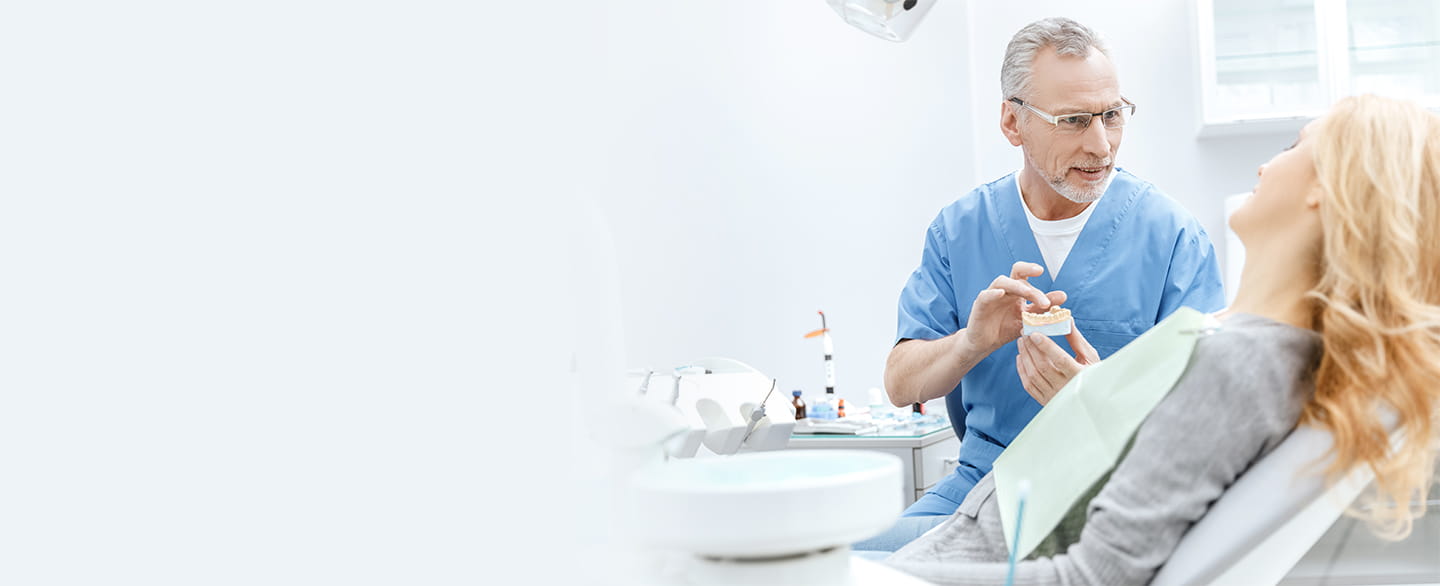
(892, 20)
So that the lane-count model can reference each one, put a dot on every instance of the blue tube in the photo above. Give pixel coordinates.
(1019, 516)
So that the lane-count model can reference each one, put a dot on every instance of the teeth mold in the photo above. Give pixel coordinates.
(1055, 322)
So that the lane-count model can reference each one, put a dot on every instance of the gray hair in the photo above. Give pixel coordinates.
(1068, 37)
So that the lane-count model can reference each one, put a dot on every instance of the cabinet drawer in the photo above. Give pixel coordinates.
(935, 461)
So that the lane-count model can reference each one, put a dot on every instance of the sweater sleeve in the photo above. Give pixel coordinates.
(1238, 398)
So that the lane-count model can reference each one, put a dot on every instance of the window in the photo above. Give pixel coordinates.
(1394, 47)
(1274, 63)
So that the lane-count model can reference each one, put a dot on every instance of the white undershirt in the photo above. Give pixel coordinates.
(1056, 238)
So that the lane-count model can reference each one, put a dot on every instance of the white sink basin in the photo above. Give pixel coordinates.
(763, 505)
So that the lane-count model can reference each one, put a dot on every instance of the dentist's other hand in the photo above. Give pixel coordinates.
(1044, 367)
(995, 315)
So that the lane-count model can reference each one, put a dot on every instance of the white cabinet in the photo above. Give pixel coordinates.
(1261, 60)
(1273, 64)
(926, 457)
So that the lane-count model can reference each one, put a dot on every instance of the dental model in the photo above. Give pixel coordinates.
(1055, 322)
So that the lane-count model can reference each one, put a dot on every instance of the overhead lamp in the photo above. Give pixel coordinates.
(892, 20)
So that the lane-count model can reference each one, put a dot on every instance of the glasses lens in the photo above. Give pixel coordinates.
(1073, 123)
(1117, 117)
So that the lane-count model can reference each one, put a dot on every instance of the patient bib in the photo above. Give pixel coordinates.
(1079, 436)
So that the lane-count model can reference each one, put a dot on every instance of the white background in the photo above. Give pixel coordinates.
(284, 297)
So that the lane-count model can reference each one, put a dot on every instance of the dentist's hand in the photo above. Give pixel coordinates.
(1044, 367)
(995, 314)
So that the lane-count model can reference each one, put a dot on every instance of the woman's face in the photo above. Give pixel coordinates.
(1284, 198)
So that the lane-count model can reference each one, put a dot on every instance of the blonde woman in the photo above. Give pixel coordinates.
(1336, 321)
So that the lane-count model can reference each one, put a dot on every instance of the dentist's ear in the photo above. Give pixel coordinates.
(1010, 123)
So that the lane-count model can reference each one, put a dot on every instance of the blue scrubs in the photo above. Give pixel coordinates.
(1140, 257)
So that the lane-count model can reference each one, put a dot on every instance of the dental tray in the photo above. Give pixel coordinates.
(834, 427)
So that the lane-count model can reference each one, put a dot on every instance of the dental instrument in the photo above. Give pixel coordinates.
(1019, 516)
(645, 384)
(758, 413)
(681, 371)
(829, 345)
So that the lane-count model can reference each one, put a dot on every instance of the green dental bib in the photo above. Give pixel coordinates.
(1078, 438)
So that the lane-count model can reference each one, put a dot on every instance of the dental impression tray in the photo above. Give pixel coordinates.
(1055, 322)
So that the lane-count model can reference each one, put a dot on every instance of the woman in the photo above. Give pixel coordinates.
(1337, 320)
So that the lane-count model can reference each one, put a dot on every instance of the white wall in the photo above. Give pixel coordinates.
(768, 164)
(275, 274)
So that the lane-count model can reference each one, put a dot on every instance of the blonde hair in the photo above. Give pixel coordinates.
(1377, 303)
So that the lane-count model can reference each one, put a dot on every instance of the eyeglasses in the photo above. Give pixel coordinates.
(1078, 122)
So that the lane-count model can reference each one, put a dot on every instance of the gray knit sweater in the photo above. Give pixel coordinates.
(1239, 397)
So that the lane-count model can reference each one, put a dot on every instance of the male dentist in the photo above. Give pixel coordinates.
(1116, 251)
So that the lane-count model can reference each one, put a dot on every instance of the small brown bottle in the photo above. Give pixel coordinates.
(840, 412)
(799, 405)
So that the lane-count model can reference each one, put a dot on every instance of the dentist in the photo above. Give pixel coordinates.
(1107, 244)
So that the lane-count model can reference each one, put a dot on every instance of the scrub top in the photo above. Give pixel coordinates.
(1140, 257)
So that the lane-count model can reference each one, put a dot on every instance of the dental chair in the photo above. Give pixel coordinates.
(1270, 517)
(1277, 510)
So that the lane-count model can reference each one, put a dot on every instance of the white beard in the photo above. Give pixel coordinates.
(1091, 193)
(1088, 194)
